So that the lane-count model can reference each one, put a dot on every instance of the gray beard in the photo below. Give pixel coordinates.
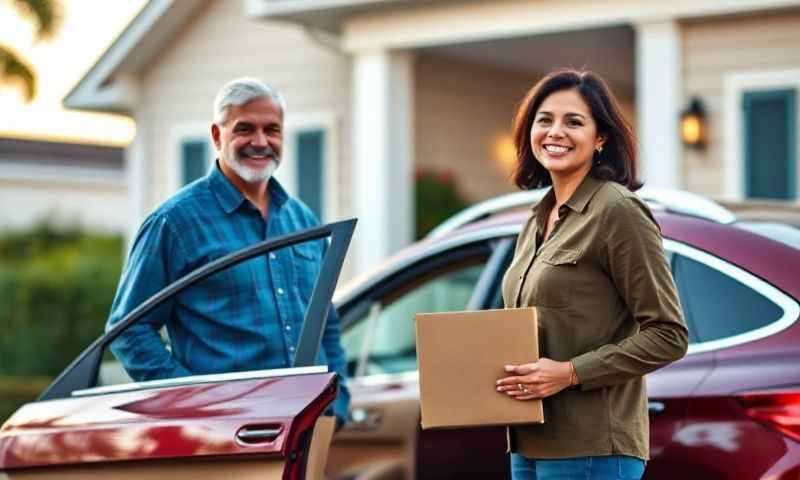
(248, 174)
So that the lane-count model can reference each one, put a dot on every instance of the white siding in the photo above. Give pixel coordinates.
(713, 48)
(220, 44)
(90, 205)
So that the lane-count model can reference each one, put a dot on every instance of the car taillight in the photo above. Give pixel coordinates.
(777, 409)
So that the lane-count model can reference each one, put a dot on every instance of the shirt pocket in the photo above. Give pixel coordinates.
(305, 266)
(554, 285)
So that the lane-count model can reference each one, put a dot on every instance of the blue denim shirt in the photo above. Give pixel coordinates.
(245, 318)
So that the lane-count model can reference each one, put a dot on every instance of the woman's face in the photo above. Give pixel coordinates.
(564, 134)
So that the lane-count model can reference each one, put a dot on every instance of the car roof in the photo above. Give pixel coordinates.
(756, 249)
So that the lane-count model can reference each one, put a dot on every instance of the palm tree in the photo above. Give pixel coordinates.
(45, 14)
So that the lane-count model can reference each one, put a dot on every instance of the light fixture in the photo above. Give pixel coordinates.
(693, 124)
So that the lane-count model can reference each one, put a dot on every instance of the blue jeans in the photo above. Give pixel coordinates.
(615, 467)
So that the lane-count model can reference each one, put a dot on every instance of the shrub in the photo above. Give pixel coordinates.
(56, 289)
(437, 199)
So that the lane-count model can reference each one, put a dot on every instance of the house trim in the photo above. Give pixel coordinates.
(195, 131)
(111, 85)
(431, 24)
(288, 174)
(735, 84)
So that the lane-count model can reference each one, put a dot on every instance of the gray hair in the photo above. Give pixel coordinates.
(240, 91)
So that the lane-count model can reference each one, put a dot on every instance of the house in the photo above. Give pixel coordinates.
(64, 184)
(380, 88)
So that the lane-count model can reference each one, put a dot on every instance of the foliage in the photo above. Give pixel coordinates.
(46, 16)
(437, 199)
(56, 289)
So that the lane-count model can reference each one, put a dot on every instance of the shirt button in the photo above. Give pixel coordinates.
(291, 348)
(280, 291)
(288, 328)
(272, 256)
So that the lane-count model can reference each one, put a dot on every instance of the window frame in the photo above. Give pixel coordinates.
(179, 135)
(749, 97)
(288, 175)
(735, 86)
(790, 307)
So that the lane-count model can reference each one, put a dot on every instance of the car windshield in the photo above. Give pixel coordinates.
(780, 232)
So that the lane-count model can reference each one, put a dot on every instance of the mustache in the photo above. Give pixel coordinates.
(250, 151)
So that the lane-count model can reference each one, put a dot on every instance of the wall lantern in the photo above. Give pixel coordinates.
(693, 124)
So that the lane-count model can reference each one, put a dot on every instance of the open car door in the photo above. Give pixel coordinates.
(265, 424)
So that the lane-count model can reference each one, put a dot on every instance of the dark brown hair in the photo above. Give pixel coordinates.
(617, 163)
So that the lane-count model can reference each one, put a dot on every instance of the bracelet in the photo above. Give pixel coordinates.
(573, 375)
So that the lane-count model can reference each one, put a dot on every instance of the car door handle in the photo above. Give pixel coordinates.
(364, 419)
(258, 434)
(656, 407)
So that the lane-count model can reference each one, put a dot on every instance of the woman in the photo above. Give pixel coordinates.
(590, 259)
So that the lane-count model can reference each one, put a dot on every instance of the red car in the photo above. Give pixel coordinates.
(729, 410)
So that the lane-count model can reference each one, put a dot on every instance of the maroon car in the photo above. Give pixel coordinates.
(729, 410)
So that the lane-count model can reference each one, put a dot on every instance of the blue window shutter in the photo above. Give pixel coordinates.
(310, 163)
(194, 160)
(770, 144)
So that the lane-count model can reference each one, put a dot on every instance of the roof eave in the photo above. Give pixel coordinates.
(326, 15)
(111, 84)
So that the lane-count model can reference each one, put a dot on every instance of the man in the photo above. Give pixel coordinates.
(245, 318)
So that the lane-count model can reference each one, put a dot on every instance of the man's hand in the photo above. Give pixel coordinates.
(535, 380)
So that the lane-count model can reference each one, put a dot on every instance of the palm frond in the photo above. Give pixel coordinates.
(12, 67)
(46, 14)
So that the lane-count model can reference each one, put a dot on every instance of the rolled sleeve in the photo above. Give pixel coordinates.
(641, 275)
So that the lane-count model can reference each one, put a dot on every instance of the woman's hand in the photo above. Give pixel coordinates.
(535, 380)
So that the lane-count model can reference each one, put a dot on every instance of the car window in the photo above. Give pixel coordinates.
(383, 339)
(717, 305)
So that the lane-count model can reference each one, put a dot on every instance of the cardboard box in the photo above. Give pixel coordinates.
(462, 354)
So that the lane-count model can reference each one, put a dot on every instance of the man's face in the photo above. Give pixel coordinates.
(250, 141)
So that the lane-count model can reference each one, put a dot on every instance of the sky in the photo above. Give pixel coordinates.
(86, 30)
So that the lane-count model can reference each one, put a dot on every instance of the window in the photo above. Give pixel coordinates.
(194, 160)
(310, 173)
(383, 340)
(770, 143)
(718, 306)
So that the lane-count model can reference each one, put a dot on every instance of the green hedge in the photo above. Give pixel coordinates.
(436, 198)
(56, 289)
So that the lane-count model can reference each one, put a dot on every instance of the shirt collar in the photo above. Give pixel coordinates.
(230, 198)
(586, 190)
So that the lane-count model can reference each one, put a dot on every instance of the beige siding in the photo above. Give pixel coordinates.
(88, 204)
(220, 44)
(713, 48)
(461, 110)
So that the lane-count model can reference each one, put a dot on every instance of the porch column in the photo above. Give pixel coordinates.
(136, 171)
(658, 101)
(383, 148)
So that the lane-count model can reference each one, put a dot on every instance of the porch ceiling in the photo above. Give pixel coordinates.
(607, 51)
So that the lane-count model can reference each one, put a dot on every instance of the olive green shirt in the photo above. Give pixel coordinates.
(606, 301)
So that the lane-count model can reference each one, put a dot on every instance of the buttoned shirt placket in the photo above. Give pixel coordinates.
(281, 283)
(538, 243)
